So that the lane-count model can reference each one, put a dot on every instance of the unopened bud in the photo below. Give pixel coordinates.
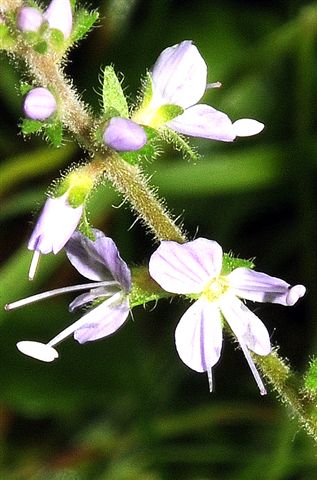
(29, 19)
(39, 104)
(59, 15)
(124, 135)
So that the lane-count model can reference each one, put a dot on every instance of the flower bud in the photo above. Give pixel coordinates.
(29, 19)
(39, 104)
(59, 15)
(124, 135)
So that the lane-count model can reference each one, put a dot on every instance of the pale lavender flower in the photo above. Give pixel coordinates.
(195, 269)
(39, 104)
(29, 19)
(179, 77)
(124, 135)
(100, 261)
(54, 227)
(59, 15)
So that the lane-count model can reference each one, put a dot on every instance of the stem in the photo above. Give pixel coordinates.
(285, 383)
(127, 179)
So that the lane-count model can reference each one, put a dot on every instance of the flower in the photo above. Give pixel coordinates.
(100, 261)
(179, 78)
(55, 225)
(39, 104)
(196, 269)
(124, 135)
(59, 15)
(29, 19)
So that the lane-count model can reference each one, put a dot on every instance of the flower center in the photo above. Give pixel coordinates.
(215, 288)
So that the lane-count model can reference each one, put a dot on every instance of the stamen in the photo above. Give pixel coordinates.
(37, 350)
(34, 264)
(213, 85)
(210, 380)
(58, 291)
(82, 321)
(254, 371)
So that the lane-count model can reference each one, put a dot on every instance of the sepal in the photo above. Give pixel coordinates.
(230, 263)
(114, 101)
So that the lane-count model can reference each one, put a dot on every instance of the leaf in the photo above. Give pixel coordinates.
(83, 22)
(54, 133)
(29, 126)
(112, 93)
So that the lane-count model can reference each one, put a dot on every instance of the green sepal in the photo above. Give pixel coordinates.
(29, 126)
(57, 40)
(6, 40)
(54, 133)
(41, 47)
(311, 377)
(165, 113)
(85, 228)
(179, 143)
(25, 88)
(144, 288)
(83, 22)
(230, 263)
(112, 94)
(147, 91)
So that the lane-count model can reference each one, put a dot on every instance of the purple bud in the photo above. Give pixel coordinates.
(59, 15)
(39, 104)
(29, 19)
(124, 135)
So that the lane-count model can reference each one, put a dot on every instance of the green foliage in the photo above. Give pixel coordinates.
(114, 101)
(83, 22)
(167, 112)
(230, 263)
(57, 40)
(54, 133)
(29, 126)
(6, 40)
(311, 377)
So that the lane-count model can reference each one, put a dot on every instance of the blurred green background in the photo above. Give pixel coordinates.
(126, 408)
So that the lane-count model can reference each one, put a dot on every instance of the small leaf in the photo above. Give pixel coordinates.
(83, 22)
(112, 93)
(179, 143)
(54, 133)
(29, 126)
(6, 41)
(41, 47)
(230, 263)
(57, 40)
(25, 88)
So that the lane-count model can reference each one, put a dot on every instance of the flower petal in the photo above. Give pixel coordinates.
(98, 259)
(59, 15)
(185, 268)
(204, 121)
(198, 336)
(260, 287)
(179, 76)
(246, 127)
(246, 326)
(91, 296)
(55, 225)
(102, 321)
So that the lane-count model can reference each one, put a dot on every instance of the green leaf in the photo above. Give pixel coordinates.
(54, 133)
(230, 263)
(179, 143)
(6, 41)
(25, 88)
(29, 126)
(112, 93)
(83, 22)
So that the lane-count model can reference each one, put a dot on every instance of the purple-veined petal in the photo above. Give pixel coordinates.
(204, 121)
(55, 225)
(246, 127)
(103, 321)
(29, 19)
(98, 259)
(179, 76)
(90, 296)
(124, 135)
(246, 326)
(260, 287)
(186, 268)
(198, 336)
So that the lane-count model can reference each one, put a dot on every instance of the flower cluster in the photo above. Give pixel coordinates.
(194, 269)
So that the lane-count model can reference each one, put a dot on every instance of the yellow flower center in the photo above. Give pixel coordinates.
(215, 288)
